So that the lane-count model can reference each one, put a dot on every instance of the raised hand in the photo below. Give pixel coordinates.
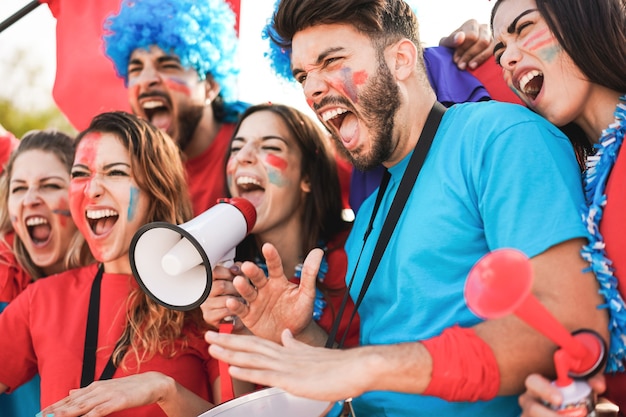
(472, 43)
(272, 303)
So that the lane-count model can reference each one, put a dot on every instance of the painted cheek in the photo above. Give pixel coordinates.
(349, 82)
(132, 203)
(276, 162)
(550, 53)
(176, 84)
(538, 40)
(276, 178)
(63, 212)
(77, 201)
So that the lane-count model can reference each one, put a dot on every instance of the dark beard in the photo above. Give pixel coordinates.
(380, 100)
(188, 120)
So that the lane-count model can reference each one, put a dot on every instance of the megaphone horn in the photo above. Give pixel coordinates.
(173, 263)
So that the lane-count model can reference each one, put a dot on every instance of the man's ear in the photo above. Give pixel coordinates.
(404, 58)
(212, 88)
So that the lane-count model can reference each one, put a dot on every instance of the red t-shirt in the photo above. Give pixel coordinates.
(13, 279)
(47, 323)
(335, 282)
(206, 172)
(613, 229)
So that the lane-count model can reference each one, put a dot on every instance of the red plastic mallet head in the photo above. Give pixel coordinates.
(500, 284)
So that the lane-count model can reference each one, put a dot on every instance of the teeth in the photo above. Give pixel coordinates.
(152, 104)
(526, 79)
(99, 214)
(243, 180)
(326, 116)
(35, 221)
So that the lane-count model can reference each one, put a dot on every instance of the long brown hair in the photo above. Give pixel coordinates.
(157, 167)
(321, 218)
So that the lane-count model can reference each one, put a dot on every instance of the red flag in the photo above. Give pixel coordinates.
(86, 83)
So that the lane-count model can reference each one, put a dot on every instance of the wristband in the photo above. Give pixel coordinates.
(464, 366)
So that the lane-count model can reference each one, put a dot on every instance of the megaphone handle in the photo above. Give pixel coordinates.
(226, 382)
(537, 316)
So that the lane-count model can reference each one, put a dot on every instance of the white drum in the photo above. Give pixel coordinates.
(270, 402)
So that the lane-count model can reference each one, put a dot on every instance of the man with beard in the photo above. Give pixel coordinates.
(496, 176)
(178, 60)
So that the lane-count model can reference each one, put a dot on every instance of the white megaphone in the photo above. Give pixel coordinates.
(173, 263)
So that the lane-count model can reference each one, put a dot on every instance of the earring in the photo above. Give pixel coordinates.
(207, 102)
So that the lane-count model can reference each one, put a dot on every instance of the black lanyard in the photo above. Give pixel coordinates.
(91, 337)
(404, 189)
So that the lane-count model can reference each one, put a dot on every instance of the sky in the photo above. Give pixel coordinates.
(29, 85)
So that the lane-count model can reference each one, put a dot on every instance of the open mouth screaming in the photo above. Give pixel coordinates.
(101, 221)
(531, 83)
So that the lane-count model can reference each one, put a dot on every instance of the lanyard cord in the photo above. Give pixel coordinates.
(91, 337)
(397, 206)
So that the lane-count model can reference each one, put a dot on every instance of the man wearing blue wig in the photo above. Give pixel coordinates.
(177, 58)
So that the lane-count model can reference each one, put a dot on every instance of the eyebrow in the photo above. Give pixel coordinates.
(263, 138)
(511, 28)
(44, 179)
(160, 60)
(106, 167)
(320, 58)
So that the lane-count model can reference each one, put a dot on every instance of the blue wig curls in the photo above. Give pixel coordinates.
(200, 32)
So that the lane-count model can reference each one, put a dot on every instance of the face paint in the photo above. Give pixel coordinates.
(349, 82)
(64, 213)
(276, 162)
(132, 203)
(276, 178)
(178, 85)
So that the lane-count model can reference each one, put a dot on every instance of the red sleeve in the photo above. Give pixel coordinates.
(13, 279)
(17, 356)
(335, 281)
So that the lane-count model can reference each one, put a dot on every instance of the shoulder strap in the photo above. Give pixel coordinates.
(397, 206)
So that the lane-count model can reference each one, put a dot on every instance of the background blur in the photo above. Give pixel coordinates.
(27, 57)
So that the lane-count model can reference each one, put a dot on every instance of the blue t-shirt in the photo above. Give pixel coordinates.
(497, 175)
(451, 85)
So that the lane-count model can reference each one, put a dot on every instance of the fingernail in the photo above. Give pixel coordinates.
(473, 65)
(462, 65)
(235, 270)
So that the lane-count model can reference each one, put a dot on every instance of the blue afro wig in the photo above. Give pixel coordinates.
(200, 32)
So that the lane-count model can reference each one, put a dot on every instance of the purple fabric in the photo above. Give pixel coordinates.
(451, 86)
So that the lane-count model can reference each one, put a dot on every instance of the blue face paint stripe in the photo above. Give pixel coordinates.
(132, 204)
(62, 212)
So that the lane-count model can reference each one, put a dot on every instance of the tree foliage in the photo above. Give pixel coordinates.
(19, 121)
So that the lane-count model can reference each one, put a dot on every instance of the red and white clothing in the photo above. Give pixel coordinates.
(47, 324)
